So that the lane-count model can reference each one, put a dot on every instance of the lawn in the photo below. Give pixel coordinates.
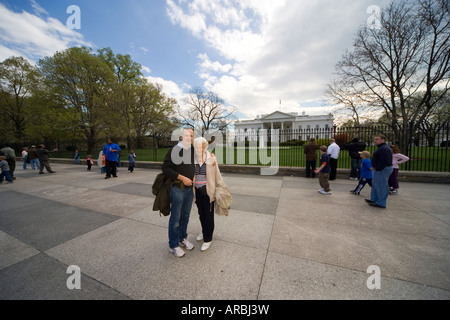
(423, 158)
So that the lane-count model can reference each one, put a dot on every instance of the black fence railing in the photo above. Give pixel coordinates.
(427, 147)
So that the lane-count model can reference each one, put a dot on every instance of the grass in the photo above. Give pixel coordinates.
(422, 159)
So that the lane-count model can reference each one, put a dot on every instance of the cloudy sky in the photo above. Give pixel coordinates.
(252, 53)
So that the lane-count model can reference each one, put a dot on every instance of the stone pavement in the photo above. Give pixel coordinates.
(281, 241)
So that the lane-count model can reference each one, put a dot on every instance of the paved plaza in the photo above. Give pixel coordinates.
(282, 240)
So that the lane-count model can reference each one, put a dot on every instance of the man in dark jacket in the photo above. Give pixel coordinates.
(354, 148)
(43, 155)
(310, 151)
(382, 169)
(179, 166)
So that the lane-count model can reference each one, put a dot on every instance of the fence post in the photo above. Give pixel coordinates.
(410, 144)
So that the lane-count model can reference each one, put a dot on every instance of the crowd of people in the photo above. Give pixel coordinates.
(194, 177)
(379, 171)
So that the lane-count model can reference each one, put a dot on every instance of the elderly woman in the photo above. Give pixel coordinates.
(207, 173)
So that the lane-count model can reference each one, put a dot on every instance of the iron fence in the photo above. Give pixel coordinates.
(427, 147)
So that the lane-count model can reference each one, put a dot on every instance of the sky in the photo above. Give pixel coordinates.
(259, 56)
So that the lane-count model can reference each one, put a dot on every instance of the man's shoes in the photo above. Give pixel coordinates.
(200, 237)
(177, 252)
(369, 201)
(324, 192)
(187, 244)
(373, 204)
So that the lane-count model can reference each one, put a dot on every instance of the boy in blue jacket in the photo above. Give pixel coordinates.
(366, 172)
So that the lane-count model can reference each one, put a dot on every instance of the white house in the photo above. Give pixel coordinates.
(291, 125)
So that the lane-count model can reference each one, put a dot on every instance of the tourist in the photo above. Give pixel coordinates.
(333, 152)
(382, 169)
(311, 157)
(44, 159)
(366, 172)
(324, 171)
(354, 149)
(207, 174)
(111, 152)
(180, 168)
(397, 159)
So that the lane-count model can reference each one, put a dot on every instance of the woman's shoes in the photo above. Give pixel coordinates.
(205, 246)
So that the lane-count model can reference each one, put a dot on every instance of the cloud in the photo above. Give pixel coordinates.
(272, 50)
(38, 10)
(170, 88)
(146, 69)
(34, 37)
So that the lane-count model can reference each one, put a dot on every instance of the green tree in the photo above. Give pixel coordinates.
(17, 79)
(122, 101)
(83, 82)
(152, 113)
(48, 119)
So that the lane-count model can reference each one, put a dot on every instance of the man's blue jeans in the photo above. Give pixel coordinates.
(180, 210)
(356, 168)
(380, 186)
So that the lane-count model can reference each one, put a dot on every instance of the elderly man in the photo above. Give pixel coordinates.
(179, 166)
(382, 169)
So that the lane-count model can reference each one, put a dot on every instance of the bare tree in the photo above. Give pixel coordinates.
(352, 103)
(408, 54)
(207, 110)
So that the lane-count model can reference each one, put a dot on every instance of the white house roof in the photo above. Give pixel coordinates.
(278, 115)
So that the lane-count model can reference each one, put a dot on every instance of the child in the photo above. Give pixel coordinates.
(397, 159)
(101, 162)
(89, 163)
(4, 166)
(131, 161)
(324, 171)
(366, 172)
